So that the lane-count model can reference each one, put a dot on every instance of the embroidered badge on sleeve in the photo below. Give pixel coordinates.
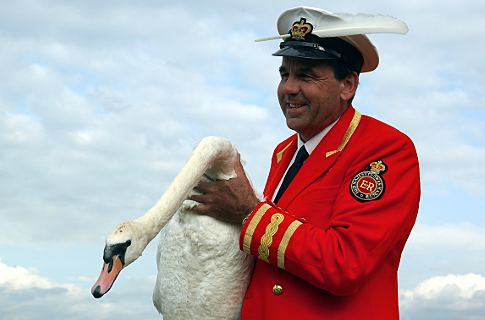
(369, 185)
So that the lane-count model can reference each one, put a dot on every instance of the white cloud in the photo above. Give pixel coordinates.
(464, 236)
(20, 278)
(445, 297)
(441, 249)
(24, 294)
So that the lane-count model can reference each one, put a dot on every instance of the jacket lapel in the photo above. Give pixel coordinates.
(321, 159)
(281, 161)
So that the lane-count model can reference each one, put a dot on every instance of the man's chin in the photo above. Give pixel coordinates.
(304, 131)
(293, 125)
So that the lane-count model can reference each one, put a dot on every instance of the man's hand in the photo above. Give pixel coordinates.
(226, 200)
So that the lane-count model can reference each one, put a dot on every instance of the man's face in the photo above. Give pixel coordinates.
(310, 96)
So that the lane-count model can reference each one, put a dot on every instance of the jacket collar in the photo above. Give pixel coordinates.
(317, 164)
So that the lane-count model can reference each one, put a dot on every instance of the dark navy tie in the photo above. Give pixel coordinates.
(291, 173)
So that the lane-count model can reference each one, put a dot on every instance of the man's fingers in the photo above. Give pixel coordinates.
(200, 198)
(201, 209)
(203, 186)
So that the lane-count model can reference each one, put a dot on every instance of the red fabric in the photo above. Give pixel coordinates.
(342, 262)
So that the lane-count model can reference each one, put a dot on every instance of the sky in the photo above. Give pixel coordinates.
(101, 103)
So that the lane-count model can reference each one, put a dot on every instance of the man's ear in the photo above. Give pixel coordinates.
(349, 86)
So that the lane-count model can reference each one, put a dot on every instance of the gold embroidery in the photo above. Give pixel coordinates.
(267, 238)
(248, 236)
(279, 155)
(300, 29)
(284, 242)
(348, 134)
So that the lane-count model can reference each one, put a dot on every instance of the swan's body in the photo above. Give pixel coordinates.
(209, 275)
(202, 274)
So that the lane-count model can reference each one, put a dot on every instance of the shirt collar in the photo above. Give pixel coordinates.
(311, 144)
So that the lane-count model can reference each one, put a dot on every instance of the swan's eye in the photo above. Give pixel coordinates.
(118, 249)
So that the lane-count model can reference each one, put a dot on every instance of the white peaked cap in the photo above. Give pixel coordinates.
(312, 33)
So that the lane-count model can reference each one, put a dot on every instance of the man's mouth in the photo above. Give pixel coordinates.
(295, 105)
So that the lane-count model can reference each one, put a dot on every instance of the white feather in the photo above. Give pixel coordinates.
(353, 24)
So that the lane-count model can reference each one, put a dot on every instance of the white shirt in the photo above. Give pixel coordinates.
(310, 145)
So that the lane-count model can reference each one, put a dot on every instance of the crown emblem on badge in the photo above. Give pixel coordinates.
(300, 29)
(377, 167)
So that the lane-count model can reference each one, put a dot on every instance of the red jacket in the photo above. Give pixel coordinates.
(330, 248)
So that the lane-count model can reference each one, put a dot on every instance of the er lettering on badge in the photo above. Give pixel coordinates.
(367, 185)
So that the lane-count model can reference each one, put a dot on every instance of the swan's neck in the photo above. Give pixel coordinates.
(213, 153)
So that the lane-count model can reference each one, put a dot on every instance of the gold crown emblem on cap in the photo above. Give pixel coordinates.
(377, 167)
(300, 29)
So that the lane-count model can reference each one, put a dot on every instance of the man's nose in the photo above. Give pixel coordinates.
(291, 86)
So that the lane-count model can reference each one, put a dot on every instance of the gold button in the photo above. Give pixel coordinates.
(277, 290)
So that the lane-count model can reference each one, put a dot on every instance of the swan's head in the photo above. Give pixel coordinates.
(123, 246)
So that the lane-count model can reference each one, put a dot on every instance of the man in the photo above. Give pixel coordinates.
(341, 196)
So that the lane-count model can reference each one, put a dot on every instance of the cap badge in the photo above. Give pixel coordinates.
(368, 185)
(300, 29)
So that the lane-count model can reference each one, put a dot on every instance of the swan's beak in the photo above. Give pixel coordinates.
(107, 277)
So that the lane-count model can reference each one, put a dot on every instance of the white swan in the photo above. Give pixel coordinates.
(202, 274)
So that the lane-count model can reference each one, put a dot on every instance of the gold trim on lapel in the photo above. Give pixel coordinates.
(318, 163)
(348, 134)
(279, 155)
(282, 155)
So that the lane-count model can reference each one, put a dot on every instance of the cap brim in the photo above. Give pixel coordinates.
(304, 53)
